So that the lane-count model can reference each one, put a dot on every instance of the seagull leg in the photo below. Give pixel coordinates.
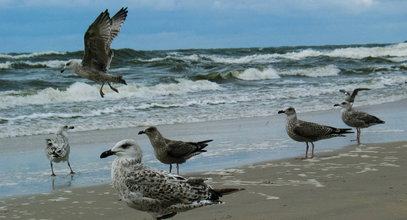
(306, 151)
(170, 167)
(114, 89)
(312, 155)
(69, 165)
(358, 135)
(177, 168)
(52, 169)
(101, 92)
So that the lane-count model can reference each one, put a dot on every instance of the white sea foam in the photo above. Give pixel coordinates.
(329, 70)
(50, 63)
(6, 65)
(30, 55)
(257, 74)
(256, 58)
(396, 50)
(79, 92)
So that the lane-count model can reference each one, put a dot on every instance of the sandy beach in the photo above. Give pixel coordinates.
(353, 182)
(357, 182)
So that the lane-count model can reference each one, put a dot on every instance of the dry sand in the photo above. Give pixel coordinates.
(357, 182)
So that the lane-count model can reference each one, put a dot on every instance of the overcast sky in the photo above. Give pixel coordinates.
(58, 25)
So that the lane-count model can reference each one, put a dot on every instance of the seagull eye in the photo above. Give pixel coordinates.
(125, 146)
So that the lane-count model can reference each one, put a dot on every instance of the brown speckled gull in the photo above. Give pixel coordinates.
(304, 131)
(170, 151)
(357, 119)
(159, 193)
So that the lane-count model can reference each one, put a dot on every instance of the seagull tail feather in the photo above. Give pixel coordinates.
(341, 131)
(203, 144)
(227, 191)
(215, 194)
(116, 79)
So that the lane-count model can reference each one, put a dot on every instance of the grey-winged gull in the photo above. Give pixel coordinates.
(357, 119)
(159, 193)
(98, 55)
(304, 131)
(58, 149)
(350, 97)
(169, 151)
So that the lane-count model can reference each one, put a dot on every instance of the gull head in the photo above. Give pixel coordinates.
(126, 149)
(149, 131)
(288, 111)
(71, 65)
(344, 104)
(64, 129)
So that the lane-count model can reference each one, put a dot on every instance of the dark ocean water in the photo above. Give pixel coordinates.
(177, 86)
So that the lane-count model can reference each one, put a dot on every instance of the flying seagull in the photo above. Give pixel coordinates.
(304, 131)
(98, 55)
(350, 97)
(58, 149)
(170, 151)
(357, 119)
(159, 193)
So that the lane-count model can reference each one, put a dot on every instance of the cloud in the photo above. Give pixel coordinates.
(257, 5)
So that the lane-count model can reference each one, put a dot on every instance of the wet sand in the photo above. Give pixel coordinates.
(357, 182)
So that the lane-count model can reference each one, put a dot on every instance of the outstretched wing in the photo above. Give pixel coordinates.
(98, 38)
(355, 92)
(117, 22)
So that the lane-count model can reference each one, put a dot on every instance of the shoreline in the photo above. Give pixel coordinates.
(237, 142)
(355, 182)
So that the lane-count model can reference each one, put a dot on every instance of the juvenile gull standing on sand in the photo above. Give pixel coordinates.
(159, 193)
(350, 97)
(304, 131)
(98, 55)
(170, 151)
(58, 148)
(357, 119)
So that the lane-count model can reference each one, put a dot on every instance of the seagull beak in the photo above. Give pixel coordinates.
(107, 154)
(62, 70)
(71, 127)
(281, 111)
(336, 105)
(141, 132)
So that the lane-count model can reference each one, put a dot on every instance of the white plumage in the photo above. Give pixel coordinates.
(58, 149)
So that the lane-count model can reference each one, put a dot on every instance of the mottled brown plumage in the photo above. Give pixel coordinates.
(357, 119)
(98, 55)
(161, 194)
(170, 151)
(304, 131)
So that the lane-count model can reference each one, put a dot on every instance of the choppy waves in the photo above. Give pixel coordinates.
(82, 92)
(29, 55)
(182, 86)
(397, 52)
